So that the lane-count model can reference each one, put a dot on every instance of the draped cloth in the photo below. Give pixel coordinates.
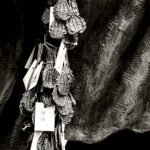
(111, 66)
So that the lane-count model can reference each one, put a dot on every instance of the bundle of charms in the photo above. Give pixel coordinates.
(47, 105)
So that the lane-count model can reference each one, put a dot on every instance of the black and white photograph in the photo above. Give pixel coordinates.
(74, 74)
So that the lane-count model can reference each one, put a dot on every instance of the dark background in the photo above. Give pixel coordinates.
(21, 20)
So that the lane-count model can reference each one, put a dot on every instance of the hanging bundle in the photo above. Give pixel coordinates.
(47, 103)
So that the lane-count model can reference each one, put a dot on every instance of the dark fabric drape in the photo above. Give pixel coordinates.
(112, 74)
(111, 65)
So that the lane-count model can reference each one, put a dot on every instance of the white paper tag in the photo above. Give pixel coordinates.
(35, 76)
(35, 140)
(28, 75)
(30, 59)
(60, 57)
(44, 117)
(63, 140)
(51, 16)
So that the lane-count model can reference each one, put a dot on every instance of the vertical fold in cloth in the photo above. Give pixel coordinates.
(106, 104)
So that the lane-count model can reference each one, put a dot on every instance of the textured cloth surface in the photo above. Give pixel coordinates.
(111, 65)
(112, 72)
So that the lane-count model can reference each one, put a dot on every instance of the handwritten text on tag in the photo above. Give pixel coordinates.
(60, 57)
(29, 74)
(44, 117)
(36, 76)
